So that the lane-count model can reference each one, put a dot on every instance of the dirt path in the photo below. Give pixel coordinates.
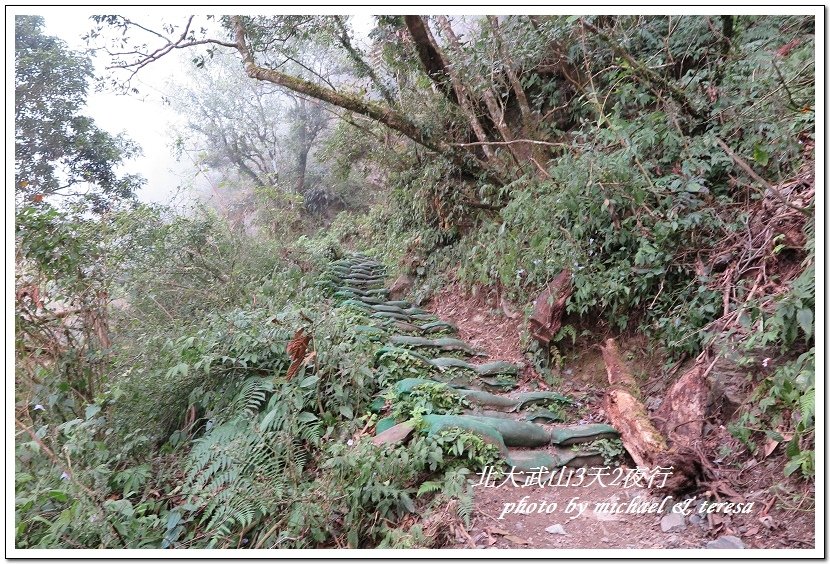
(585, 516)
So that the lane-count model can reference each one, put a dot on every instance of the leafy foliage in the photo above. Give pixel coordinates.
(665, 162)
(57, 148)
(424, 399)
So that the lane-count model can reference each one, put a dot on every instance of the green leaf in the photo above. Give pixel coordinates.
(58, 495)
(805, 321)
(792, 466)
(792, 448)
(173, 519)
(760, 155)
(346, 412)
(807, 403)
(268, 418)
(307, 417)
(352, 538)
(92, 411)
(407, 502)
(309, 382)
(429, 486)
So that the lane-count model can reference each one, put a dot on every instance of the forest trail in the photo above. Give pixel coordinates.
(610, 518)
(556, 499)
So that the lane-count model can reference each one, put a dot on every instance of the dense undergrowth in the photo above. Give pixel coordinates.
(161, 414)
(196, 435)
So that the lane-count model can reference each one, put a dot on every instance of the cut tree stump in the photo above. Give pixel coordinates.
(681, 427)
(681, 415)
(549, 307)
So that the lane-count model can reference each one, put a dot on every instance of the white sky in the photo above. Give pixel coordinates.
(143, 118)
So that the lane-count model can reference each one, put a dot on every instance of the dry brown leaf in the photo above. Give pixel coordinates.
(296, 350)
(769, 447)
(516, 540)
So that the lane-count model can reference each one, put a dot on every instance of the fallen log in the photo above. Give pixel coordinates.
(628, 415)
(674, 443)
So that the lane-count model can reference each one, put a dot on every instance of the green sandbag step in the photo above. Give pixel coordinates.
(405, 385)
(376, 293)
(435, 326)
(423, 316)
(543, 415)
(404, 326)
(388, 349)
(347, 295)
(508, 431)
(389, 308)
(517, 433)
(370, 278)
(361, 281)
(437, 423)
(390, 315)
(498, 383)
(511, 403)
(367, 273)
(565, 436)
(415, 311)
(377, 405)
(444, 343)
(487, 369)
(356, 303)
(384, 424)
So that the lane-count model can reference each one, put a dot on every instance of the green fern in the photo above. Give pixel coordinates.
(566, 330)
(807, 404)
(428, 487)
(250, 398)
(465, 506)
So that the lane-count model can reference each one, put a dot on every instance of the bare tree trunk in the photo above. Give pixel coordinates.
(302, 165)
(512, 74)
(464, 100)
(644, 442)
(430, 56)
(493, 107)
(627, 413)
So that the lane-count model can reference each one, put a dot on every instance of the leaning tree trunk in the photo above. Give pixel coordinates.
(430, 56)
(464, 160)
(494, 109)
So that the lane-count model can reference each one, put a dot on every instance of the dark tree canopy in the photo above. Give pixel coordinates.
(59, 151)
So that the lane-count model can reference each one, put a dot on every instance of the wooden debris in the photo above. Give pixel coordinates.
(549, 308)
(682, 425)
(681, 415)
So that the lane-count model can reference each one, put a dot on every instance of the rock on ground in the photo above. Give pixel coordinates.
(726, 541)
(673, 522)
